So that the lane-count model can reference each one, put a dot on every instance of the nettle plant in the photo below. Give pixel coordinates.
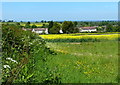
(18, 58)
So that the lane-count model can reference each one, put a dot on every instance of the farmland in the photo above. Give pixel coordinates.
(59, 58)
(79, 38)
(83, 62)
(39, 24)
(53, 43)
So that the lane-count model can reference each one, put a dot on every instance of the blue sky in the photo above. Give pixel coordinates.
(59, 11)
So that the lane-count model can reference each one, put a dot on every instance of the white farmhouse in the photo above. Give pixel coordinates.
(87, 29)
(40, 30)
(37, 30)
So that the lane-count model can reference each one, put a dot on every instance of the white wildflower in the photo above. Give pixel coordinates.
(12, 60)
(6, 66)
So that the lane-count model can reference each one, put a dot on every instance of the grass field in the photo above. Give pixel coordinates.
(83, 62)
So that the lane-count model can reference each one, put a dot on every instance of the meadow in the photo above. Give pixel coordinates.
(82, 61)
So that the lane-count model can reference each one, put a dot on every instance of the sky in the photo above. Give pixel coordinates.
(59, 11)
(60, 0)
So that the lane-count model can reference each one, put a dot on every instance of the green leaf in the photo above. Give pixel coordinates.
(30, 76)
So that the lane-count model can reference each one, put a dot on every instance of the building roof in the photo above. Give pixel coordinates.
(87, 28)
(39, 29)
(36, 29)
(27, 29)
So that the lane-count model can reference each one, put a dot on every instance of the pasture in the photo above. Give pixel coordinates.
(83, 62)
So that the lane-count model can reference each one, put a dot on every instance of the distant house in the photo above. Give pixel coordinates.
(40, 30)
(27, 29)
(37, 30)
(87, 29)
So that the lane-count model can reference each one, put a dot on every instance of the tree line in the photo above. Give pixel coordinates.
(72, 26)
(66, 27)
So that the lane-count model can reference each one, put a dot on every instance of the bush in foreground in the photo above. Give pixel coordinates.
(21, 51)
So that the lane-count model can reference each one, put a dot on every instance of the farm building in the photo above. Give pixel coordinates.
(40, 30)
(37, 30)
(27, 29)
(87, 29)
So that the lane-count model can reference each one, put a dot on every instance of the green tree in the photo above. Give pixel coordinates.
(3, 21)
(50, 25)
(45, 21)
(36, 21)
(17, 23)
(42, 21)
(109, 28)
(68, 27)
(117, 29)
(75, 23)
(27, 25)
(34, 26)
(56, 28)
(100, 29)
(43, 26)
(76, 30)
(28, 22)
(10, 21)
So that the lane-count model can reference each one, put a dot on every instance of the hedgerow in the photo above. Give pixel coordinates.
(21, 50)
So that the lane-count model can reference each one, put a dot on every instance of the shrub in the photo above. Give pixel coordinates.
(19, 50)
